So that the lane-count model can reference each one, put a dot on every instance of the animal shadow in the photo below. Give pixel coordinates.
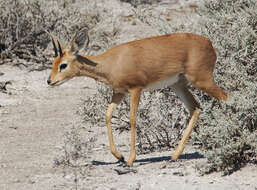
(188, 156)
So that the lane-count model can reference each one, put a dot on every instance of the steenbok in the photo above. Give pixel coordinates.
(172, 60)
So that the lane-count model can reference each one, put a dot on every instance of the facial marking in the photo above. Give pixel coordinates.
(62, 66)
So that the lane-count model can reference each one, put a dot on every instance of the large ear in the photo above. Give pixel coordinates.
(80, 41)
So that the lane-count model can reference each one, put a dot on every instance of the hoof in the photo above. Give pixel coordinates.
(174, 156)
(122, 160)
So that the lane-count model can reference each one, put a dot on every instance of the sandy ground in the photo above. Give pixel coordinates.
(33, 120)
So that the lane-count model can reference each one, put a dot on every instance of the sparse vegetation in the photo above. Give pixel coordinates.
(226, 133)
(135, 3)
(75, 149)
(22, 30)
(73, 154)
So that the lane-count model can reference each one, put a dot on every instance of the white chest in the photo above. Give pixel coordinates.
(162, 84)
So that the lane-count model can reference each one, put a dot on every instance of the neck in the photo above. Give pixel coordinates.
(91, 67)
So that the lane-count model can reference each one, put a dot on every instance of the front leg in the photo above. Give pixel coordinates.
(134, 101)
(116, 99)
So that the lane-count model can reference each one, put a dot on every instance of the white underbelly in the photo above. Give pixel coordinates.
(162, 84)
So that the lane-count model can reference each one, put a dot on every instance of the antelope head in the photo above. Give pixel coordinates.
(67, 62)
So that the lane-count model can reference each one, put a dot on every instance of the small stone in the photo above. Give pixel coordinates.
(133, 22)
(163, 166)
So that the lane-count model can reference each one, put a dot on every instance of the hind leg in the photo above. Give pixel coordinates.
(199, 71)
(182, 143)
(206, 83)
(192, 105)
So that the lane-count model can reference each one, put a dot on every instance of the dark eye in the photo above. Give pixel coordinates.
(63, 66)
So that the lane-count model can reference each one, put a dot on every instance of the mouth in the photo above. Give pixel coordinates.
(58, 83)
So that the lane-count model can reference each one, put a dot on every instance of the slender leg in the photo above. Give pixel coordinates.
(116, 99)
(188, 131)
(134, 101)
(192, 105)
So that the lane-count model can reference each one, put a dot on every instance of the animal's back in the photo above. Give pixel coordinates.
(149, 60)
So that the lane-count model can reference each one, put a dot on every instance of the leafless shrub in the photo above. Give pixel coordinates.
(94, 107)
(74, 154)
(23, 25)
(160, 124)
(74, 149)
(228, 131)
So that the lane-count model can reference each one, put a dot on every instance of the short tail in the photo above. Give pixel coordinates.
(216, 51)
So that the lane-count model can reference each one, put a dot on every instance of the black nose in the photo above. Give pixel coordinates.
(48, 81)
